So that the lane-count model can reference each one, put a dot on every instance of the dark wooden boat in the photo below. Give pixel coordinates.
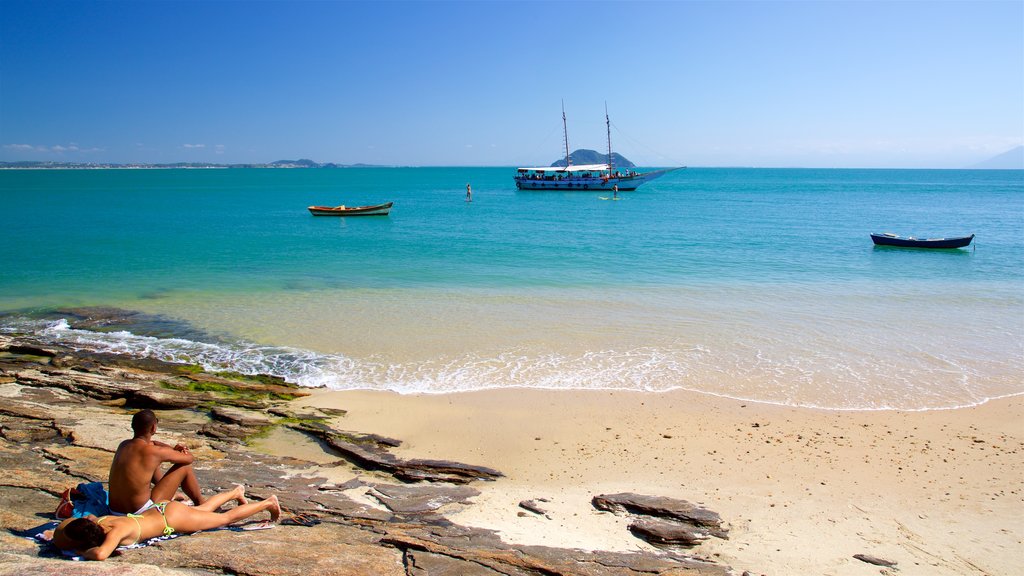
(378, 210)
(889, 239)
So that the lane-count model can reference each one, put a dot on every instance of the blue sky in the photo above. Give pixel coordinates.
(818, 84)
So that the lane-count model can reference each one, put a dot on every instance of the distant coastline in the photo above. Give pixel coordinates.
(288, 164)
(1010, 160)
(285, 165)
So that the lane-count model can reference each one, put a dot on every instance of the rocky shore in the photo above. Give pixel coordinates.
(63, 411)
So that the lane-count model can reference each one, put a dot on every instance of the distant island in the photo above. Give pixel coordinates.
(300, 163)
(1009, 160)
(582, 156)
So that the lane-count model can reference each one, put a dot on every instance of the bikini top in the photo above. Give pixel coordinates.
(137, 523)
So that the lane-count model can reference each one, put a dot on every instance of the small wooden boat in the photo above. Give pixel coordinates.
(378, 210)
(889, 239)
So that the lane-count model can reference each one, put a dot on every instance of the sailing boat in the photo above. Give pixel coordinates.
(583, 177)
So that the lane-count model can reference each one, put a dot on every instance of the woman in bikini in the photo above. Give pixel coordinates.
(96, 538)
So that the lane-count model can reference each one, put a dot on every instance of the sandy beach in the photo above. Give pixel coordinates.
(803, 491)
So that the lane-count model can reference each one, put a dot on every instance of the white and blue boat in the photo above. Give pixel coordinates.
(585, 177)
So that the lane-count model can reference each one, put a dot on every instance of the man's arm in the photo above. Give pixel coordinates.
(167, 454)
(178, 447)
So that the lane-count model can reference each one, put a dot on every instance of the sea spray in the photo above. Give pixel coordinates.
(646, 369)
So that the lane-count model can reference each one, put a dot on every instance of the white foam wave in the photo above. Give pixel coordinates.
(295, 365)
(749, 374)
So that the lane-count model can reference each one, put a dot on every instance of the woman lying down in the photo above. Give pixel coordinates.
(96, 538)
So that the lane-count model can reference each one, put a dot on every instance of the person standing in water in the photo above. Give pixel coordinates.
(615, 191)
(469, 193)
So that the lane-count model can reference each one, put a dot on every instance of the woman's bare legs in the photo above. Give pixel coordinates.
(217, 500)
(193, 519)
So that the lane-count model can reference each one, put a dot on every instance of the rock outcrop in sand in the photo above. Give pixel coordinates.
(665, 522)
(62, 413)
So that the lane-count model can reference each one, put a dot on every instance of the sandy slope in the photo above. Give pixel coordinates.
(803, 490)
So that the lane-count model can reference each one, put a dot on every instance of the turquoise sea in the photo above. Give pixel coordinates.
(759, 284)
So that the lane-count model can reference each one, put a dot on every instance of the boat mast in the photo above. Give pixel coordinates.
(608, 124)
(565, 136)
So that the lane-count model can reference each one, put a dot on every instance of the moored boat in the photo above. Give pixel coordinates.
(377, 210)
(890, 239)
(584, 177)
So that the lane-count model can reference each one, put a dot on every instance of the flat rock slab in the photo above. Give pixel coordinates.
(307, 412)
(533, 506)
(663, 507)
(420, 499)
(443, 471)
(16, 504)
(421, 563)
(255, 384)
(667, 533)
(482, 548)
(29, 468)
(99, 428)
(234, 423)
(324, 549)
(87, 463)
(875, 560)
(241, 416)
(108, 319)
(371, 452)
(108, 385)
(21, 409)
(18, 565)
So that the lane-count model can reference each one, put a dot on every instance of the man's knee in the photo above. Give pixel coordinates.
(176, 467)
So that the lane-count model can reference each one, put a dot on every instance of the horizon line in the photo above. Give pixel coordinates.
(185, 165)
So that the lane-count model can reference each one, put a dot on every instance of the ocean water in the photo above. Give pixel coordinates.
(747, 283)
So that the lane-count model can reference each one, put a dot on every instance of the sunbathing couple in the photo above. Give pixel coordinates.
(141, 498)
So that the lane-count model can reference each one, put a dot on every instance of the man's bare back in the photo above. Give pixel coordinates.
(135, 474)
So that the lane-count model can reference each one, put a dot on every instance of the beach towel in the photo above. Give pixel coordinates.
(82, 500)
(43, 535)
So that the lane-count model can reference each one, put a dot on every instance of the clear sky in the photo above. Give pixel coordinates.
(829, 84)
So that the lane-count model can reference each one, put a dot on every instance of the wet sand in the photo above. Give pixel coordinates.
(939, 492)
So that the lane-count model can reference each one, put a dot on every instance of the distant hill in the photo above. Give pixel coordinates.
(594, 157)
(301, 163)
(1009, 160)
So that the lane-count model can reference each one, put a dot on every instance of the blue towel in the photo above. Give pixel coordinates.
(92, 500)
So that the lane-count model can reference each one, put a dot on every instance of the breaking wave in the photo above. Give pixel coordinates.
(748, 376)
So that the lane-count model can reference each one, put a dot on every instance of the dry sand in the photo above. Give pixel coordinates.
(803, 490)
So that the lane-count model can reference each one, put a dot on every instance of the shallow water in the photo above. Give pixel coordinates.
(754, 284)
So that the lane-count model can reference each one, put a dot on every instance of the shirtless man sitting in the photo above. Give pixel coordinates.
(136, 480)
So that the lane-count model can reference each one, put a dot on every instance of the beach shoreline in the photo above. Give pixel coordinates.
(936, 491)
(798, 491)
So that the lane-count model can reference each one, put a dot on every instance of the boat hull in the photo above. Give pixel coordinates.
(575, 184)
(377, 210)
(910, 242)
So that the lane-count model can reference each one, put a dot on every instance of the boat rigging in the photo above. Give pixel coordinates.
(584, 177)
